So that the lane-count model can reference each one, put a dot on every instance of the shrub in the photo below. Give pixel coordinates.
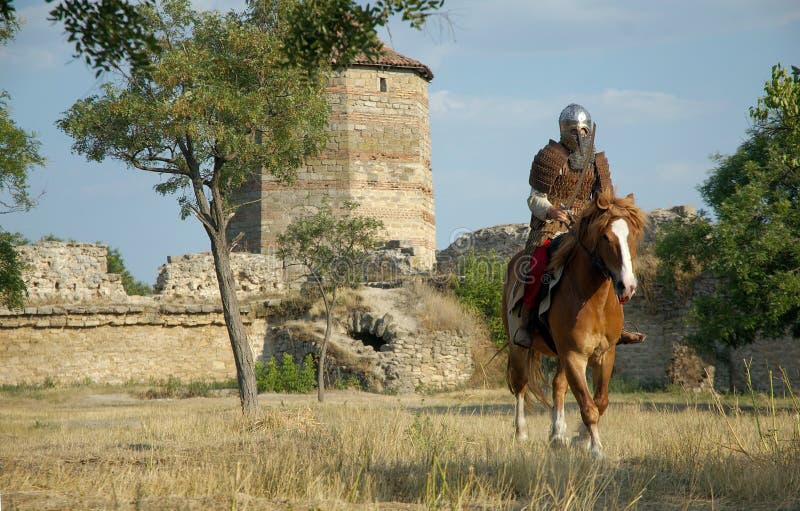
(286, 376)
(132, 286)
(481, 289)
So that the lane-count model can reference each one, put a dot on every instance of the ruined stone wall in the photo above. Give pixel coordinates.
(192, 278)
(378, 154)
(408, 359)
(69, 273)
(118, 344)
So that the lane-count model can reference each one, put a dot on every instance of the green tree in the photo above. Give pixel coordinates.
(106, 33)
(481, 289)
(752, 251)
(331, 247)
(213, 106)
(334, 32)
(109, 34)
(19, 154)
(117, 265)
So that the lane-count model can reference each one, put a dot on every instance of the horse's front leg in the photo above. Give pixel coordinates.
(558, 427)
(576, 376)
(601, 376)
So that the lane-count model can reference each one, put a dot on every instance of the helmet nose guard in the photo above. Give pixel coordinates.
(574, 116)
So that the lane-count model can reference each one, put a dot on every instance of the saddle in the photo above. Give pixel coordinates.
(526, 313)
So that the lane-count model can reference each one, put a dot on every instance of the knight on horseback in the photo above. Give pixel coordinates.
(564, 177)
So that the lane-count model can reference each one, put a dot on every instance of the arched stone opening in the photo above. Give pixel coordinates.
(373, 332)
(371, 340)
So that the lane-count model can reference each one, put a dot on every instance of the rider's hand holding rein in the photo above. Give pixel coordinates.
(559, 214)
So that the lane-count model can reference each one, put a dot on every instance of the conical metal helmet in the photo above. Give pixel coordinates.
(573, 116)
(576, 118)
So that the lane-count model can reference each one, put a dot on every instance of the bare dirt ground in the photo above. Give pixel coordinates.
(103, 448)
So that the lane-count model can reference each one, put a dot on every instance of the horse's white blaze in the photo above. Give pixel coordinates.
(620, 228)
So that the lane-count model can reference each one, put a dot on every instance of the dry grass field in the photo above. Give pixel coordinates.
(101, 448)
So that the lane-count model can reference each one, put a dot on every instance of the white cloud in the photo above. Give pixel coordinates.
(644, 107)
(567, 26)
(219, 5)
(681, 172)
(617, 106)
(39, 44)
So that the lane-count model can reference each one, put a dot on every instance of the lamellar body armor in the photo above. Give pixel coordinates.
(551, 174)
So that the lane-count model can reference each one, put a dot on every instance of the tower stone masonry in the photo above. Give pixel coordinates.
(378, 154)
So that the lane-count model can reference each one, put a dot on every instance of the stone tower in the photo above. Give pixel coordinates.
(378, 154)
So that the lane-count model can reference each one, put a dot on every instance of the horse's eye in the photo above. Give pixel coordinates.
(605, 237)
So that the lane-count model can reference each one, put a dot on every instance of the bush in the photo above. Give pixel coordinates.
(174, 388)
(286, 376)
(132, 286)
(481, 289)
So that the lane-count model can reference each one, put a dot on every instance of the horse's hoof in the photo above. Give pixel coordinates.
(597, 453)
(581, 442)
(521, 437)
(558, 441)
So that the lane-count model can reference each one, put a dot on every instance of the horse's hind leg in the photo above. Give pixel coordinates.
(517, 379)
(558, 428)
(576, 376)
(520, 427)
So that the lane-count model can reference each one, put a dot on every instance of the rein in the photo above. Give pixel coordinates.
(596, 261)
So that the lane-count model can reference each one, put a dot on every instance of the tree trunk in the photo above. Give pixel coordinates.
(322, 351)
(242, 355)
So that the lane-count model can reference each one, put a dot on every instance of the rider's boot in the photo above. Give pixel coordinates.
(628, 337)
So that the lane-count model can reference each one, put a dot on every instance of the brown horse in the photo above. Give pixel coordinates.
(585, 316)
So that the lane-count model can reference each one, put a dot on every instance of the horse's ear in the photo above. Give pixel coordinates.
(629, 196)
(603, 201)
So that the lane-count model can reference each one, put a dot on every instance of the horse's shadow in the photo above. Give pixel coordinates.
(654, 406)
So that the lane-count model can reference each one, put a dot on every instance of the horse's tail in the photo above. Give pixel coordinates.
(537, 384)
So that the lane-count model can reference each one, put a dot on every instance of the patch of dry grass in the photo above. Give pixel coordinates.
(439, 311)
(347, 300)
(366, 451)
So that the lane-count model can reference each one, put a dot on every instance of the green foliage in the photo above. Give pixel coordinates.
(481, 289)
(330, 245)
(321, 33)
(174, 388)
(132, 286)
(286, 376)
(212, 107)
(19, 153)
(106, 33)
(12, 287)
(753, 250)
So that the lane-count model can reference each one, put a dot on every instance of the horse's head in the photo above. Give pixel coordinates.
(611, 229)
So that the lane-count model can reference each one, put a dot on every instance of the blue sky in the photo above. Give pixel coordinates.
(668, 83)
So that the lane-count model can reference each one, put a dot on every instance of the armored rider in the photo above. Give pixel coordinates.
(555, 178)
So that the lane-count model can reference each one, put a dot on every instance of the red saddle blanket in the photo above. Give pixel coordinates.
(539, 261)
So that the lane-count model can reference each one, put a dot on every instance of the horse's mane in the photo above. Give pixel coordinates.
(594, 219)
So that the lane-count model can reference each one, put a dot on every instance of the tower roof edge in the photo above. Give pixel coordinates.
(388, 58)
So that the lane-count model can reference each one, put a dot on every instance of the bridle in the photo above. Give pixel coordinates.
(597, 262)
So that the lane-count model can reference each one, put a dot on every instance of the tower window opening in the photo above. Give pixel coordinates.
(383, 84)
